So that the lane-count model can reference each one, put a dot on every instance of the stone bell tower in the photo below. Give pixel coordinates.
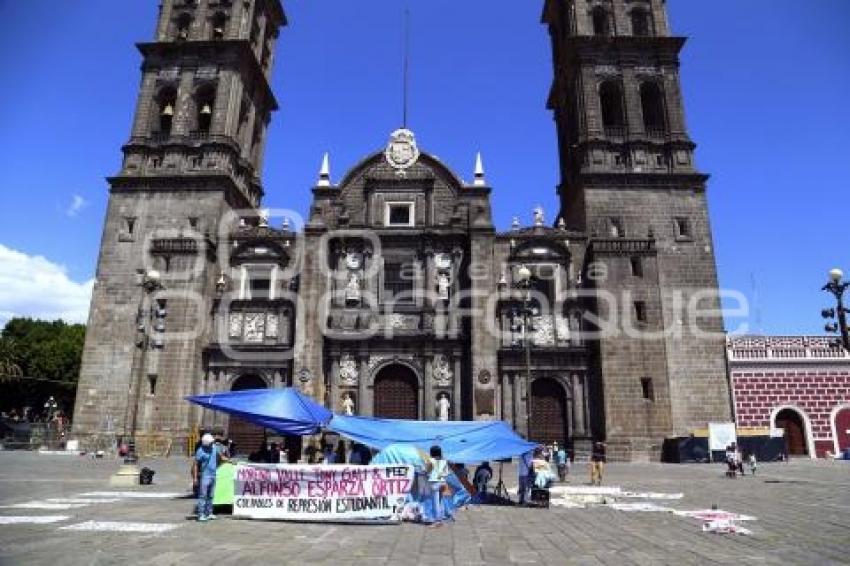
(628, 180)
(194, 156)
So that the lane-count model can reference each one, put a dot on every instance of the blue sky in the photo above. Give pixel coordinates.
(766, 85)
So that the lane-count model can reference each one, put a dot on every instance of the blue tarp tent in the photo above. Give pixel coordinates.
(461, 441)
(283, 410)
(289, 412)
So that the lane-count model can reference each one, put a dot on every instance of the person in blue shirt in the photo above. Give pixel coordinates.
(562, 462)
(207, 458)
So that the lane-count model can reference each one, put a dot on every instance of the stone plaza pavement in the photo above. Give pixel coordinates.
(802, 510)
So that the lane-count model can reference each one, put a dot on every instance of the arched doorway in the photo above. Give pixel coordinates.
(396, 393)
(245, 435)
(548, 412)
(841, 422)
(795, 432)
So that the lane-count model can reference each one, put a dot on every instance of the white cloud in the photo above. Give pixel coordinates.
(34, 286)
(77, 204)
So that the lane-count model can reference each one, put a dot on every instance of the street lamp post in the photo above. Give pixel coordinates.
(837, 286)
(50, 407)
(524, 284)
(151, 282)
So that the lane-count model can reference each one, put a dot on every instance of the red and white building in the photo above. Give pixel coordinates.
(797, 383)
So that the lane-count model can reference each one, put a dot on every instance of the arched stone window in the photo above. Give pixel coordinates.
(611, 101)
(652, 105)
(166, 101)
(601, 21)
(184, 23)
(219, 26)
(204, 106)
(641, 23)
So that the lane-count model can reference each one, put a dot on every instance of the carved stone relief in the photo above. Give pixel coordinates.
(442, 371)
(348, 373)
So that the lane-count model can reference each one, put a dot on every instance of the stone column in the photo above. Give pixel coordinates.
(164, 21)
(221, 105)
(507, 400)
(182, 121)
(570, 409)
(421, 397)
(456, 401)
(519, 411)
(334, 379)
(578, 402)
(497, 405)
(430, 408)
(360, 402)
(430, 275)
(145, 106)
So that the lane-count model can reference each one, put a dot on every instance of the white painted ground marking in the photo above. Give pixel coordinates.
(566, 503)
(33, 520)
(82, 500)
(120, 527)
(649, 507)
(585, 490)
(715, 515)
(725, 527)
(133, 494)
(45, 505)
(651, 495)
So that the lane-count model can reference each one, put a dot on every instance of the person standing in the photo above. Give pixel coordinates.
(437, 481)
(752, 463)
(561, 462)
(356, 457)
(274, 454)
(207, 458)
(524, 471)
(329, 454)
(597, 463)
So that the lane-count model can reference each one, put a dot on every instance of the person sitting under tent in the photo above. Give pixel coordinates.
(462, 490)
(543, 476)
(483, 475)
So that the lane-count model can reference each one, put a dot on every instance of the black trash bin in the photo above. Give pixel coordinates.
(146, 476)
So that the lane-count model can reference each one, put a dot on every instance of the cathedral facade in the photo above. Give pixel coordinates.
(397, 296)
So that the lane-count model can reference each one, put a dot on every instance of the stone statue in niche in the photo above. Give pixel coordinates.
(443, 407)
(347, 404)
(352, 289)
(443, 285)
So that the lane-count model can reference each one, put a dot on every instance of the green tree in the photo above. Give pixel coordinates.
(39, 359)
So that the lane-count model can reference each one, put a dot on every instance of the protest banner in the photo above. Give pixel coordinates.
(333, 493)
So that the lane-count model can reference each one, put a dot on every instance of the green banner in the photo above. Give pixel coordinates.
(224, 481)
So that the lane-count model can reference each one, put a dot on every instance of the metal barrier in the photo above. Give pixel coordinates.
(32, 436)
